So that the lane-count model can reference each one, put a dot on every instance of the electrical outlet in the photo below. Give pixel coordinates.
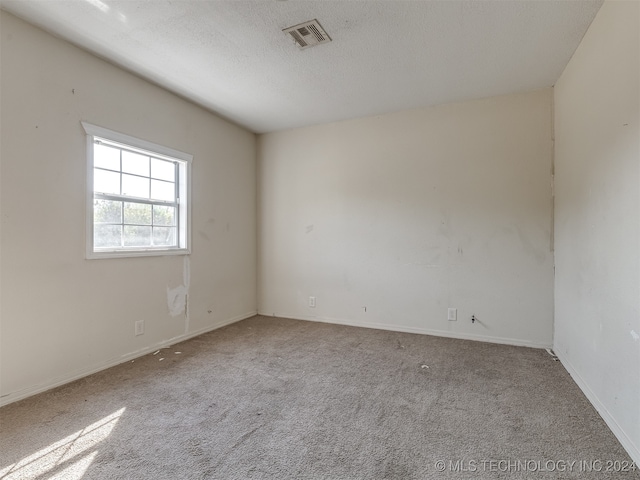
(312, 302)
(452, 314)
(139, 327)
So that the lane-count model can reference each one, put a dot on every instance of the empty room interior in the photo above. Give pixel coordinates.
(320, 239)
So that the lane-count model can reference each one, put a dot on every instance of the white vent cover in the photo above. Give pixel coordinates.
(308, 34)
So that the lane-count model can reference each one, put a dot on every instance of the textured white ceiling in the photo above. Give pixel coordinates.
(231, 56)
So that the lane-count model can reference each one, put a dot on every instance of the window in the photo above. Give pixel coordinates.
(137, 196)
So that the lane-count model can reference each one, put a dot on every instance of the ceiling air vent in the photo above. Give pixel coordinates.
(308, 34)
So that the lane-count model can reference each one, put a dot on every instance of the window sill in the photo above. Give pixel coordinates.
(136, 253)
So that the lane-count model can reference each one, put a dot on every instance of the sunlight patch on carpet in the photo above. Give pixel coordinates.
(68, 458)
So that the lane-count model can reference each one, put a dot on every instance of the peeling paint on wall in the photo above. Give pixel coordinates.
(186, 272)
(178, 297)
(177, 300)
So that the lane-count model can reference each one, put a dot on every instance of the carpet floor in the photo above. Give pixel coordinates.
(271, 398)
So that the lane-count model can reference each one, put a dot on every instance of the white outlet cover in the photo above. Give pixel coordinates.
(452, 314)
(312, 302)
(139, 327)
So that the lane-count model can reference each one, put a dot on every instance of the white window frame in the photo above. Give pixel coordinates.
(184, 195)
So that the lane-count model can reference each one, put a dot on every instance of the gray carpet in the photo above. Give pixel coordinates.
(270, 398)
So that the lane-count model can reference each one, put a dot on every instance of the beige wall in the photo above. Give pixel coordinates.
(597, 291)
(387, 220)
(410, 213)
(64, 316)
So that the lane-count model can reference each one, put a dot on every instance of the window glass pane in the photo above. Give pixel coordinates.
(164, 215)
(137, 213)
(107, 211)
(106, 182)
(135, 163)
(135, 186)
(163, 190)
(107, 236)
(135, 236)
(106, 157)
(164, 236)
(163, 170)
